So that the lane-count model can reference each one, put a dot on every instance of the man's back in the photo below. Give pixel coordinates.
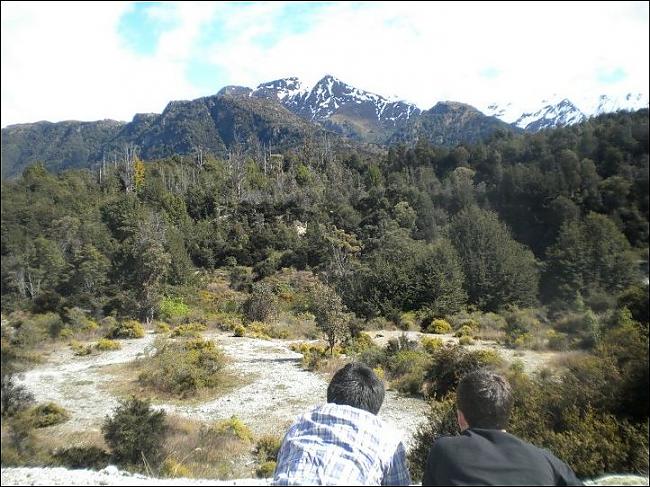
(493, 457)
(341, 445)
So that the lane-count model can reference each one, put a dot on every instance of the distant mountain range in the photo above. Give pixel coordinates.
(558, 111)
(282, 114)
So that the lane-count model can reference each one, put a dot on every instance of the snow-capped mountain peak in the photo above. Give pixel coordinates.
(331, 96)
(558, 111)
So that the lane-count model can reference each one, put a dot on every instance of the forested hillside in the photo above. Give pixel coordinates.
(540, 237)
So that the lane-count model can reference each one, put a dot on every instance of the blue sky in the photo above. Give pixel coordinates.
(94, 60)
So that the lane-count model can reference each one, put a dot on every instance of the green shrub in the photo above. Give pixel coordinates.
(408, 321)
(78, 321)
(465, 331)
(32, 330)
(127, 329)
(104, 344)
(233, 427)
(173, 308)
(257, 329)
(79, 349)
(521, 326)
(557, 340)
(172, 468)
(161, 328)
(408, 369)
(47, 414)
(135, 432)
(431, 344)
(358, 344)
(563, 415)
(240, 331)
(262, 304)
(189, 330)
(465, 340)
(373, 357)
(439, 327)
(451, 363)
(267, 448)
(78, 457)
(183, 368)
(266, 469)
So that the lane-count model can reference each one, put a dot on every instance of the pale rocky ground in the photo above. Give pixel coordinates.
(112, 476)
(276, 390)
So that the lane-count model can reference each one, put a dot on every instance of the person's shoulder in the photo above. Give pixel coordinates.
(445, 442)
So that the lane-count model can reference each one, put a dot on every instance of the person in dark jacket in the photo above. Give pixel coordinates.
(484, 454)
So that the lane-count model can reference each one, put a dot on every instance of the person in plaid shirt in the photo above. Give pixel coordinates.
(344, 442)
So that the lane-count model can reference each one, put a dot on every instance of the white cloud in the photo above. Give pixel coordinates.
(66, 60)
(428, 52)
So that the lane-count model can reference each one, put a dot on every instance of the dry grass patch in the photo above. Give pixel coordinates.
(200, 450)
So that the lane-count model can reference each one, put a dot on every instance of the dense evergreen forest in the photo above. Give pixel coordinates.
(548, 231)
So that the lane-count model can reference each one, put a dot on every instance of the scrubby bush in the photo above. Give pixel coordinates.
(408, 369)
(172, 468)
(267, 448)
(30, 330)
(522, 326)
(452, 362)
(233, 428)
(189, 330)
(314, 355)
(14, 397)
(465, 340)
(262, 304)
(47, 414)
(408, 321)
(439, 327)
(266, 469)
(557, 340)
(373, 357)
(239, 331)
(173, 308)
(79, 349)
(183, 367)
(135, 432)
(431, 344)
(563, 415)
(441, 421)
(78, 457)
(77, 320)
(465, 331)
(104, 344)
(160, 327)
(265, 331)
(358, 344)
(127, 329)
(240, 278)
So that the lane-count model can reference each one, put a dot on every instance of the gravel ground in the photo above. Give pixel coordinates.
(282, 390)
(108, 476)
(112, 476)
(77, 382)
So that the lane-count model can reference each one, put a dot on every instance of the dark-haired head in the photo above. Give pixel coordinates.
(356, 385)
(485, 399)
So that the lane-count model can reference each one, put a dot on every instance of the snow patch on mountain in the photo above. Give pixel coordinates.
(558, 111)
(330, 95)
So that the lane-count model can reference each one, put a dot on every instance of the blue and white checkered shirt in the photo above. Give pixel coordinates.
(341, 445)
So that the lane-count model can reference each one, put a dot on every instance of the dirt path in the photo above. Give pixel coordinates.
(280, 389)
